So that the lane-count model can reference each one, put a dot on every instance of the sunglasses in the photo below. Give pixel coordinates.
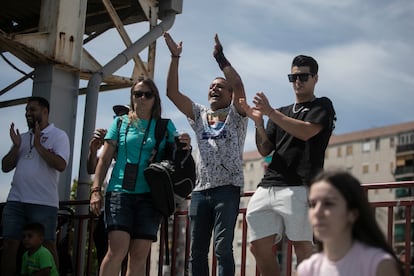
(303, 77)
(146, 94)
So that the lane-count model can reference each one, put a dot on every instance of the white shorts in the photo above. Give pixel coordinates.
(278, 210)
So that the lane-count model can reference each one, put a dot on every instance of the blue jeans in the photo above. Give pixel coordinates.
(215, 210)
(17, 214)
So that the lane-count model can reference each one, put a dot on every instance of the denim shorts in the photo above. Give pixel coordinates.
(132, 213)
(17, 214)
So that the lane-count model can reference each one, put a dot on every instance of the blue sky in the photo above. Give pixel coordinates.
(364, 50)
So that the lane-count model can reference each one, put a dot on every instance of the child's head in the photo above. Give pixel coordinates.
(33, 234)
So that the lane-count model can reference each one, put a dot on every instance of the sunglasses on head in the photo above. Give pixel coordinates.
(146, 94)
(303, 77)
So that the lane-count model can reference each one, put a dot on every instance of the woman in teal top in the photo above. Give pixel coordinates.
(131, 220)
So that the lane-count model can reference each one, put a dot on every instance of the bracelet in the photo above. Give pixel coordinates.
(95, 189)
(172, 56)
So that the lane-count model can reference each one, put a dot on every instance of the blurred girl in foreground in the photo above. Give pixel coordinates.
(343, 221)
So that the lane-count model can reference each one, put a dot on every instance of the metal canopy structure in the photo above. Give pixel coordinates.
(49, 36)
(25, 33)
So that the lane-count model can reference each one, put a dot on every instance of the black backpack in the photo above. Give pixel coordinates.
(171, 179)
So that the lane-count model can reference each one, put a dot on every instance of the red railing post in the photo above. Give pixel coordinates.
(408, 240)
(243, 244)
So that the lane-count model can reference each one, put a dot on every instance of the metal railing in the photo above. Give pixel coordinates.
(84, 262)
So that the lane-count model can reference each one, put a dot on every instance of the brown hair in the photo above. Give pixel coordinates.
(156, 108)
(365, 229)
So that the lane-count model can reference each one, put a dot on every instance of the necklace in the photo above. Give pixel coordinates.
(29, 155)
(294, 108)
(300, 108)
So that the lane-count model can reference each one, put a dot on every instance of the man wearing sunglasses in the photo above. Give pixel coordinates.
(220, 132)
(297, 136)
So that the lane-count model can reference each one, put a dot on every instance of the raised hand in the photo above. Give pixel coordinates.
(219, 55)
(175, 48)
(218, 48)
(97, 139)
(15, 136)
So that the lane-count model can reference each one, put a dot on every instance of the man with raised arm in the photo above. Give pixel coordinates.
(220, 131)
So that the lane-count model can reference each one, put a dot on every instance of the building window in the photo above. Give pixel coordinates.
(339, 152)
(377, 167)
(401, 140)
(402, 192)
(392, 142)
(392, 167)
(377, 144)
(365, 169)
(399, 231)
(406, 138)
(366, 146)
(349, 150)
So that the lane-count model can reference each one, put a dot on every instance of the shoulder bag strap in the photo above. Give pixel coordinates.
(160, 133)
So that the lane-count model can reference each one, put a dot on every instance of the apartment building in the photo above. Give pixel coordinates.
(369, 154)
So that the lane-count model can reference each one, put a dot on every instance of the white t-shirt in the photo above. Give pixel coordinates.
(360, 260)
(219, 154)
(34, 181)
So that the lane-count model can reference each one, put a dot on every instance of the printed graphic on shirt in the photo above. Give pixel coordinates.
(215, 128)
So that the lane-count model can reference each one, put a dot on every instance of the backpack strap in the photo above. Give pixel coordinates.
(118, 127)
(160, 130)
(119, 123)
(160, 133)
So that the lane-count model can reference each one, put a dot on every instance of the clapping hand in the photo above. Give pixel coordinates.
(15, 136)
(251, 112)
